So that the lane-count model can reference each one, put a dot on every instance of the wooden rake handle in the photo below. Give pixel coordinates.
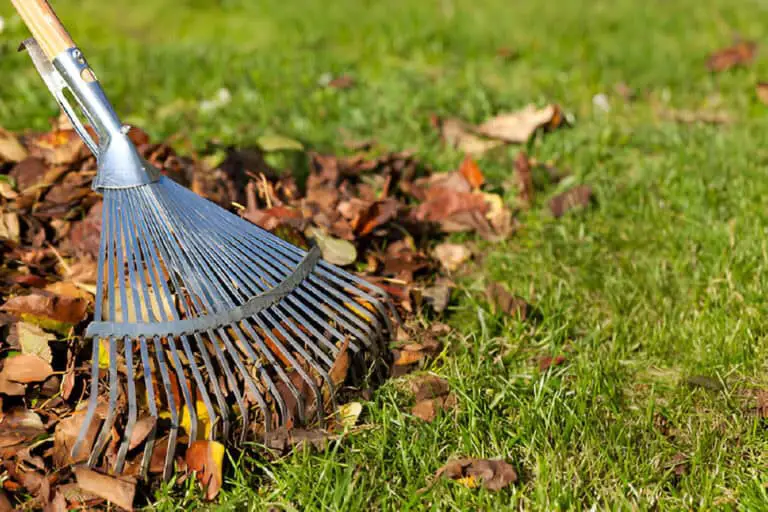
(45, 26)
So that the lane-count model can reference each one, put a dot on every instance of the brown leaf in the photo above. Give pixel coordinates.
(9, 226)
(698, 116)
(524, 178)
(141, 430)
(25, 368)
(5, 503)
(762, 92)
(428, 386)
(546, 362)
(740, 54)
(64, 438)
(517, 127)
(439, 294)
(494, 475)
(206, 458)
(458, 134)
(471, 172)
(281, 439)
(342, 82)
(120, 491)
(11, 149)
(452, 256)
(28, 172)
(505, 302)
(427, 409)
(761, 403)
(58, 147)
(679, 464)
(375, 215)
(340, 366)
(46, 305)
(577, 197)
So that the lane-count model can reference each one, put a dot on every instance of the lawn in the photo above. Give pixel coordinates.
(655, 296)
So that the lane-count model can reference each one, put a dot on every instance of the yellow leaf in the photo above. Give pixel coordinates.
(468, 481)
(203, 420)
(103, 353)
(349, 413)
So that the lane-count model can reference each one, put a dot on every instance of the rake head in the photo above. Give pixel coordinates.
(212, 316)
(205, 325)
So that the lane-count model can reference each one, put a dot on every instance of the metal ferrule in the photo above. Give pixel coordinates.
(119, 163)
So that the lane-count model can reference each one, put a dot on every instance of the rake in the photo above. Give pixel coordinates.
(199, 314)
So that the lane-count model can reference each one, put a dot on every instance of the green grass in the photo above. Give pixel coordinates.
(665, 279)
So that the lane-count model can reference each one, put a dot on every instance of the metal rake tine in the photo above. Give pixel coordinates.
(106, 426)
(228, 273)
(132, 412)
(196, 259)
(174, 429)
(150, 390)
(94, 392)
(167, 299)
(147, 204)
(344, 312)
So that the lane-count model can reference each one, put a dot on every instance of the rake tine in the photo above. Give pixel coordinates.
(150, 442)
(174, 429)
(171, 256)
(132, 412)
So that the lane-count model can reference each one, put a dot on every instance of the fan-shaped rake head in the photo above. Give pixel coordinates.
(200, 313)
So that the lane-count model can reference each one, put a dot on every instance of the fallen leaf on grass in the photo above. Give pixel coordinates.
(349, 413)
(270, 143)
(547, 362)
(206, 459)
(524, 178)
(428, 386)
(282, 439)
(452, 256)
(493, 475)
(679, 464)
(740, 54)
(471, 172)
(517, 127)
(761, 403)
(427, 409)
(458, 134)
(503, 301)
(577, 197)
(119, 491)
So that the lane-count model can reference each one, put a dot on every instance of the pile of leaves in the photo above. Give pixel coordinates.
(382, 215)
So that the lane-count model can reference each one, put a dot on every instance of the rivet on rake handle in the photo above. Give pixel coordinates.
(204, 315)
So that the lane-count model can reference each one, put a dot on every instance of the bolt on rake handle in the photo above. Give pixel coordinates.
(45, 26)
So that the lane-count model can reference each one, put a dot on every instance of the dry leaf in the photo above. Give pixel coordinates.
(524, 178)
(9, 226)
(119, 491)
(427, 409)
(505, 302)
(439, 294)
(577, 197)
(428, 386)
(349, 413)
(141, 430)
(334, 250)
(471, 172)
(64, 438)
(458, 134)
(740, 54)
(206, 459)
(33, 340)
(452, 256)
(25, 369)
(494, 475)
(48, 310)
(546, 362)
(11, 149)
(518, 127)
